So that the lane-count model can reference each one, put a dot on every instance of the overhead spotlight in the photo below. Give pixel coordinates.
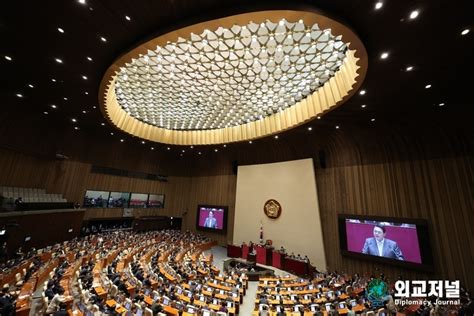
(82, 1)
(414, 14)
(8, 58)
(319, 117)
(465, 32)
(310, 128)
(84, 112)
(103, 39)
(384, 55)
(19, 95)
(73, 120)
(89, 58)
(276, 136)
(250, 141)
(53, 106)
(372, 120)
(362, 92)
(60, 30)
(103, 124)
(53, 80)
(143, 142)
(337, 126)
(122, 140)
(84, 77)
(76, 128)
(409, 68)
(168, 148)
(127, 18)
(45, 112)
(65, 99)
(441, 104)
(31, 86)
(216, 150)
(199, 153)
(363, 106)
(59, 61)
(378, 5)
(112, 133)
(427, 86)
(152, 148)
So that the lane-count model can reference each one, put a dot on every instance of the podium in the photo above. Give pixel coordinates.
(234, 251)
(245, 251)
(277, 259)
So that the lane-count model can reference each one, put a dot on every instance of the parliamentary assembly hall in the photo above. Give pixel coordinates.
(236, 157)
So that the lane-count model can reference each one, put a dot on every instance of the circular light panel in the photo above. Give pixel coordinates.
(233, 79)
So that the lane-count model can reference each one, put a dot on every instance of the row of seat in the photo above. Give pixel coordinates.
(31, 195)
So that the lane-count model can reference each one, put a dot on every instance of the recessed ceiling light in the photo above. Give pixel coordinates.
(183, 150)
(82, 1)
(19, 95)
(8, 58)
(152, 148)
(319, 117)
(168, 148)
(378, 5)
(53, 80)
(250, 141)
(191, 146)
(216, 150)
(76, 128)
(199, 153)
(427, 86)
(31, 86)
(363, 106)
(103, 39)
(59, 61)
(409, 68)
(60, 30)
(276, 136)
(441, 104)
(127, 18)
(74, 120)
(45, 112)
(84, 77)
(112, 133)
(94, 107)
(89, 58)
(103, 124)
(337, 126)
(225, 145)
(362, 92)
(86, 93)
(310, 128)
(122, 140)
(384, 55)
(414, 14)
(372, 120)
(465, 31)
(53, 106)
(65, 99)
(84, 111)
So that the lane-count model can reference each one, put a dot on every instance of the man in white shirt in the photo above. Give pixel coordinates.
(381, 246)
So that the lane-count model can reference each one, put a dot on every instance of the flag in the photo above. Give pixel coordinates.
(261, 232)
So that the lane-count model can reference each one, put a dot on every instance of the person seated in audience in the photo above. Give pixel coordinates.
(317, 311)
(223, 308)
(18, 203)
(62, 310)
(55, 301)
(6, 303)
(350, 312)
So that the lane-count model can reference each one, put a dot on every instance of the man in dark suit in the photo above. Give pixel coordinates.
(380, 246)
(211, 221)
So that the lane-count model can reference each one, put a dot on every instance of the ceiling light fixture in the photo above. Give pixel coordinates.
(89, 58)
(441, 104)
(384, 55)
(53, 106)
(409, 68)
(362, 92)
(31, 86)
(427, 86)
(19, 95)
(122, 140)
(378, 5)
(276, 136)
(414, 14)
(84, 77)
(45, 112)
(152, 148)
(103, 124)
(127, 18)
(60, 30)
(53, 80)
(59, 61)
(310, 128)
(465, 32)
(73, 120)
(363, 106)
(372, 120)
(337, 126)
(103, 39)
(8, 58)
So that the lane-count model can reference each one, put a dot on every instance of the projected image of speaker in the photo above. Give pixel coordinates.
(212, 218)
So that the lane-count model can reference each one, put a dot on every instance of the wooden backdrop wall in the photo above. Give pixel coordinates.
(388, 170)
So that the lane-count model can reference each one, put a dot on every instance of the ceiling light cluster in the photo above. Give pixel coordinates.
(229, 76)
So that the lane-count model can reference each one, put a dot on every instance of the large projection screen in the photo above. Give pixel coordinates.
(293, 185)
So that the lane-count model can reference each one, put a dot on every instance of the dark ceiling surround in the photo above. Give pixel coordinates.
(432, 44)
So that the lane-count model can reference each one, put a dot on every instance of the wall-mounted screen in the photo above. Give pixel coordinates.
(96, 199)
(156, 200)
(211, 218)
(138, 200)
(119, 199)
(395, 240)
